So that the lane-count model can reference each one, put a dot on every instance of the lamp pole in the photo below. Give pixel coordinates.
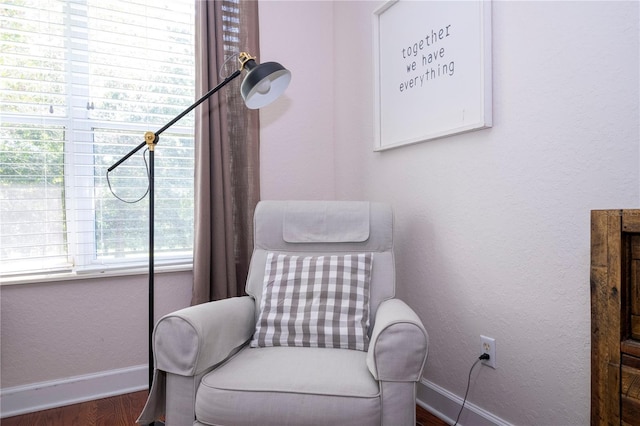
(150, 141)
(262, 85)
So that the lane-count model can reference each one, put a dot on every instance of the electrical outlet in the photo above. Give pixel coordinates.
(488, 346)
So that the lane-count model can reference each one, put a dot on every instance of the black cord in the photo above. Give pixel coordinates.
(482, 357)
(234, 55)
(146, 165)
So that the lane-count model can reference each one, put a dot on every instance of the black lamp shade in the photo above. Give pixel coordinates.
(263, 83)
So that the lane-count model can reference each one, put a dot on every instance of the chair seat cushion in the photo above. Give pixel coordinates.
(290, 385)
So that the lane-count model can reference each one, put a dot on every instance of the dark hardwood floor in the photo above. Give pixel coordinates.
(114, 411)
(123, 411)
(425, 418)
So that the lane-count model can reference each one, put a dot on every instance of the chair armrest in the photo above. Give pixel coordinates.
(399, 343)
(190, 341)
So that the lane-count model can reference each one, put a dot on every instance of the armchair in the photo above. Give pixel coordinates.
(212, 369)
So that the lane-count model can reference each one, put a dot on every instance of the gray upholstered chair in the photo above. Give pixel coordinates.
(208, 373)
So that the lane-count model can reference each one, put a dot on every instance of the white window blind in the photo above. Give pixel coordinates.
(81, 81)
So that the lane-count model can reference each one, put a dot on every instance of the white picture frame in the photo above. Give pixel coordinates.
(432, 70)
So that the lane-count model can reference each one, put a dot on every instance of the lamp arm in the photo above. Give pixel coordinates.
(199, 101)
(206, 96)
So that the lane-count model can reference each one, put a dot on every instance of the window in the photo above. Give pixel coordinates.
(82, 81)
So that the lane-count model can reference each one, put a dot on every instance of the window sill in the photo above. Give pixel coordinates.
(92, 274)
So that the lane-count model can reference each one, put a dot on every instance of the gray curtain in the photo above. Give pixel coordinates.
(227, 186)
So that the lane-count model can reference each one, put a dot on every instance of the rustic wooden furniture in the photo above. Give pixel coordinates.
(615, 317)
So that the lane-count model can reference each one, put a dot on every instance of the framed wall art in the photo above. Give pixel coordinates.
(432, 70)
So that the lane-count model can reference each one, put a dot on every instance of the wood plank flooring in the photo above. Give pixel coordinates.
(425, 418)
(120, 410)
(123, 411)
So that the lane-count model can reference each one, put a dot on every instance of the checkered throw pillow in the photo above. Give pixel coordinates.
(315, 301)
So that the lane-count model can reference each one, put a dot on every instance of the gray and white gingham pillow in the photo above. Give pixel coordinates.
(315, 301)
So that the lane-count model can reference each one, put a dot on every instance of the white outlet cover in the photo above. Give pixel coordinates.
(488, 346)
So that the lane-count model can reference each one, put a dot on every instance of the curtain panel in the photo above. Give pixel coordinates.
(227, 186)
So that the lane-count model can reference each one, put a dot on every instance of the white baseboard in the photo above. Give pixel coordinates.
(446, 406)
(58, 393)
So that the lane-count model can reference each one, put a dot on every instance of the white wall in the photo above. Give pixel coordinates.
(492, 226)
(297, 140)
(57, 330)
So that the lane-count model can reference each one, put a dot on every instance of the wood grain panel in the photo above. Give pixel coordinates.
(615, 317)
(630, 411)
(606, 245)
(630, 347)
(633, 291)
(631, 220)
(598, 238)
(635, 326)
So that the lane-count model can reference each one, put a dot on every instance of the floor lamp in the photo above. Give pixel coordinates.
(262, 84)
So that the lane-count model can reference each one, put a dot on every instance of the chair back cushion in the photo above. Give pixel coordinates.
(325, 228)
